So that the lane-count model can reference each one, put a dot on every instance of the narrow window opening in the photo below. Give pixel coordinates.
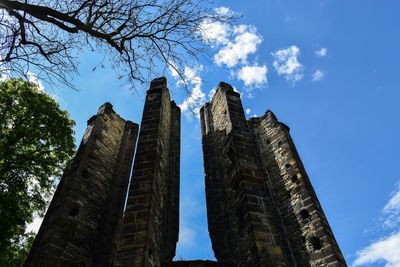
(74, 211)
(279, 143)
(268, 141)
(294, 178)
(304, 214)
(287, 165)
(316, 243)
(85, 173)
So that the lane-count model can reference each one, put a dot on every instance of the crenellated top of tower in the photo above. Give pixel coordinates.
(158, 83)
(106, 108)
(225, 87)
(269, 117)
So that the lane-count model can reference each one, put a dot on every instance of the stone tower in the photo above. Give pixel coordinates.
(261, 207)
(86, 224)
(81, 224)
(149, 231)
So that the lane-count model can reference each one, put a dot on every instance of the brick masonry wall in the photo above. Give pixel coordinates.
(80, 226)
(251, 232)
(261, 207)
(149, 231)
(309, 234)
(216, 218)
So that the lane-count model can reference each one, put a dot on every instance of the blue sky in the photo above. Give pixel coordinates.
(329, 69)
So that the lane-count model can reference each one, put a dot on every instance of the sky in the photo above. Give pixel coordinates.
(329, 69)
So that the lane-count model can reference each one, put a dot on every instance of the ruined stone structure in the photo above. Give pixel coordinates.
(149, 231)
(81, 224)
(261, 207)
(85, 224)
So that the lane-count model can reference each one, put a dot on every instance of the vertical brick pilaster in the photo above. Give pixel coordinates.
(150, 225)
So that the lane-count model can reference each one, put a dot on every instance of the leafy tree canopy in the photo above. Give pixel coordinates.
(35, 143)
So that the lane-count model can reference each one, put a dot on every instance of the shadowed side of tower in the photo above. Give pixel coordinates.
(307, 229)
(80, 227)
(241, 219)
(149, 231)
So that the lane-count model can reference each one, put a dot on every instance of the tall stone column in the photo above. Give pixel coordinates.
(307, 229)
(238, 202)
(262, 209)
(81, 225)
(149, 231)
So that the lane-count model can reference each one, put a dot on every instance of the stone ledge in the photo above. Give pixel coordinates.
(195, 263)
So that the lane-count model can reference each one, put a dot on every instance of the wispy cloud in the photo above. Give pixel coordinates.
(192, 104)
(211, 94)
(245, 42)
(253, 75)
(391, 210)
(224, 11)
(235, 43)
(248, 111)
(318, 75)
(388, 247)
(32, 77)
(322, 52)
(215, 32)
(287, 64)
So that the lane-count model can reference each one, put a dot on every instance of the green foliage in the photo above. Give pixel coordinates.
(17, 252)
(35, 143)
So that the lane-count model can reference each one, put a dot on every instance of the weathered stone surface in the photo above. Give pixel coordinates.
(81, 225)
(261, 207)
(195, 263)
(306, 228)
(149, 231)
(238, 183)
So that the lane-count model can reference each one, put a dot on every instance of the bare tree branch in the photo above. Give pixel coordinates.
(137, 35)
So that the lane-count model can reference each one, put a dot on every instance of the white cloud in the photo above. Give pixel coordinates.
(322, 52)
(174, 69)
(223, 11)
(197, 97)
(4, 72)
(32, 77)
(235, 42)
(217, 32)
(318, 75)
(388, 248)
(245, 42)
(211, 93)
(253, 75)
(248, 111)
(392, 210)
(35, 225)
(287, 64)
